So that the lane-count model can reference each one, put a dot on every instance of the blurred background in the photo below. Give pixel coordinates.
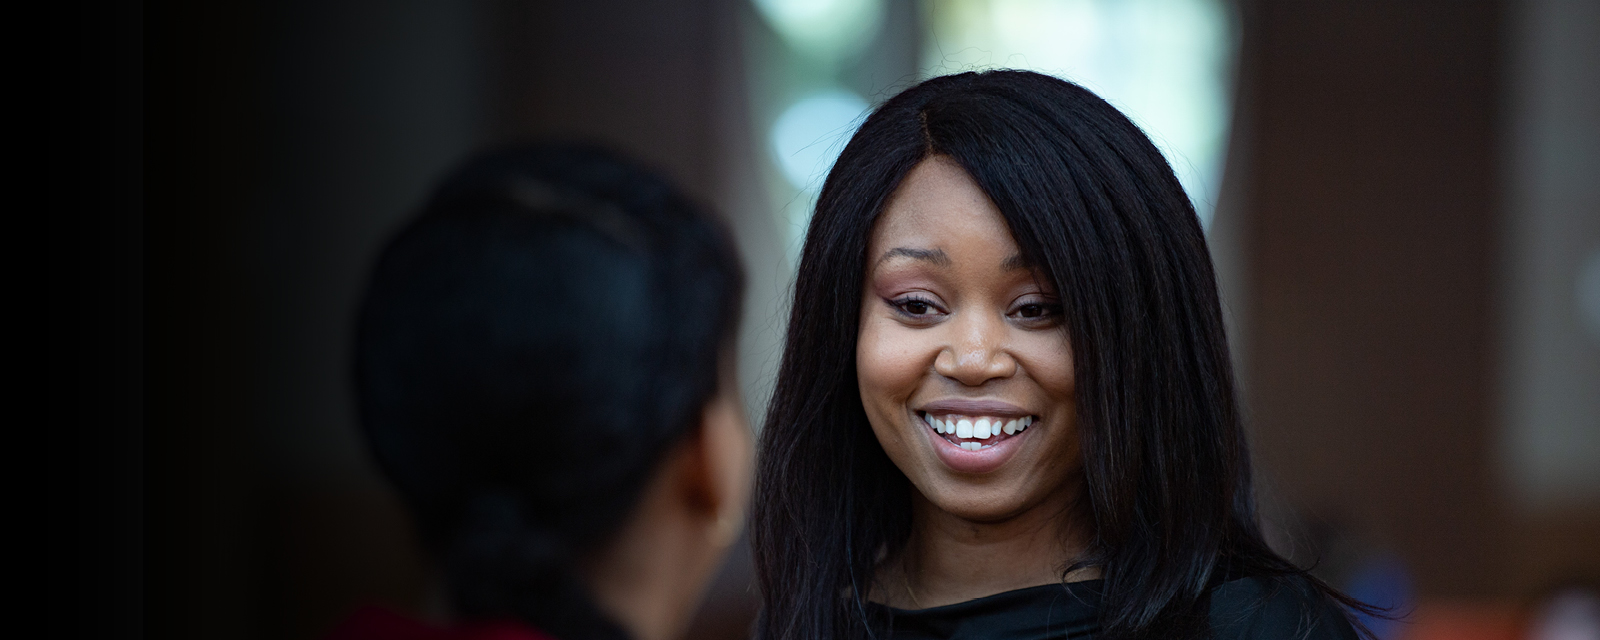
(1402, 196)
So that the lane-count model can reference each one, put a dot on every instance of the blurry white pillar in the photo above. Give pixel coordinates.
(1551, 372)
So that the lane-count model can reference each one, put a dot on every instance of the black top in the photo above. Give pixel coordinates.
(1242, 609)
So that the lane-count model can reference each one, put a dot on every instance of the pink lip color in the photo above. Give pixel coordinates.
(975, 462)
(965, 407)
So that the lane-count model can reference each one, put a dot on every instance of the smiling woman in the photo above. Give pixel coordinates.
(1006, 407)
(959, 346)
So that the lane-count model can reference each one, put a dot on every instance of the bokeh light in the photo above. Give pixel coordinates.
(807, 137)
(1165, 63)
(825, 29)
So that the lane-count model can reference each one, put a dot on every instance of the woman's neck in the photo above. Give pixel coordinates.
(948, 559)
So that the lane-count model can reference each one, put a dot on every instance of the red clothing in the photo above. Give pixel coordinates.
(373, 623)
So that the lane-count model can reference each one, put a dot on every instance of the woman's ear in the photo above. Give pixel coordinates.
(655, 570)
(721, 464)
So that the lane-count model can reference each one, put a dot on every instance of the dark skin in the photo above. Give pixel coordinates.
(955, 324)
(653, 574)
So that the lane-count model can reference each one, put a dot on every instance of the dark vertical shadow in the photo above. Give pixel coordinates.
(93, 467)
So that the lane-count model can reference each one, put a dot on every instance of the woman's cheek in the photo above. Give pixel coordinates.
(888, 376)
(1048, 359)
(886, 361)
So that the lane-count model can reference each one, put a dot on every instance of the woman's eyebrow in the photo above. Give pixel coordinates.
(1015, 263)
(936, 256)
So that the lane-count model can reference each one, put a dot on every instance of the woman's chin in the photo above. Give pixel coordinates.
(978, 503)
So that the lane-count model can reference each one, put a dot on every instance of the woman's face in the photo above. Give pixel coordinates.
(963, 363)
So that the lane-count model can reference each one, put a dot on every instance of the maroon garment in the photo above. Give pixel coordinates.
(374, 623)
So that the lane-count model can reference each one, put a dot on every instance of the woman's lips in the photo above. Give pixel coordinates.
(976, 443)
(973, 407)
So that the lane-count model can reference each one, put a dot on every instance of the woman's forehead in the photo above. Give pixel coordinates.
(939, 210)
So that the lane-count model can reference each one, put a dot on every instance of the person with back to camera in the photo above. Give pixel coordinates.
(1006, 409)
(544, 368)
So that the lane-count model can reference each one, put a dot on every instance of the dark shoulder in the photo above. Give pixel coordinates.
(1258, 608)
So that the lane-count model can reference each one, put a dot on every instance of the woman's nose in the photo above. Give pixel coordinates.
(977, 353)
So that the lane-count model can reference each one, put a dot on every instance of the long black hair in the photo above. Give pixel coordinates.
(1094, 206)
(527, 349)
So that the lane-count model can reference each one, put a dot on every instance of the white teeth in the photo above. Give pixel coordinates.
(971, 446)
(978, 428)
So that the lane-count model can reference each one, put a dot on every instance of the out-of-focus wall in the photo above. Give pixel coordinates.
(1371, 250)
(1384, 238)
(290, 139)
(293, 139)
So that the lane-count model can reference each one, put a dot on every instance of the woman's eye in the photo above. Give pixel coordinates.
(915, 307)
(1037, 311)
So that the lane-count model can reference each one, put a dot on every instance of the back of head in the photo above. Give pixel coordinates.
(528, 347)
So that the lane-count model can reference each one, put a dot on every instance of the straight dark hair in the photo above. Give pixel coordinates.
(528, 348)
(1095, 208)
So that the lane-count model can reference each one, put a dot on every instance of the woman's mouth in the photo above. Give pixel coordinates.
(975, 433)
